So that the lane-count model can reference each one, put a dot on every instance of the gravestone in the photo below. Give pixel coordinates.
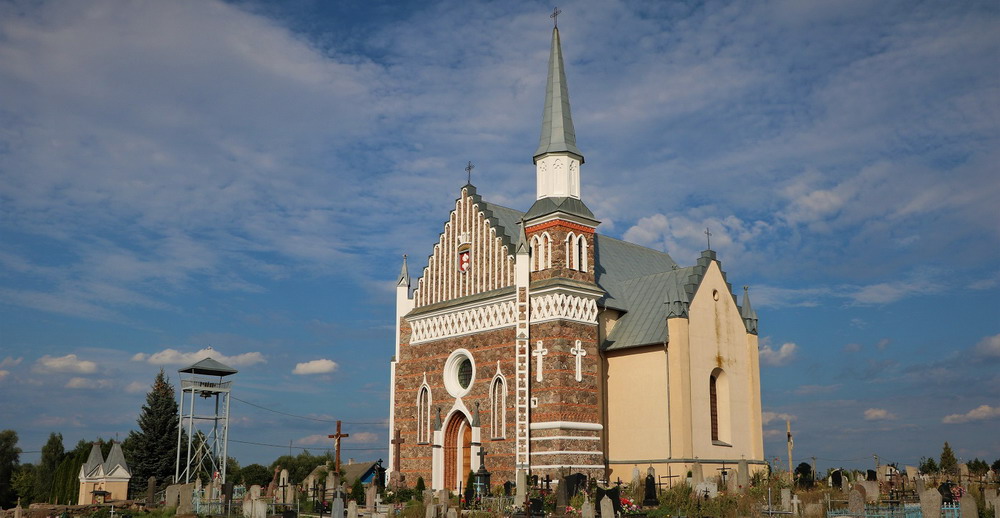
(281, 490)
(370, 491)
(930, 503)
(614, 494)
(587, 510)
(963, 473)
(522, 488)
(871, 475)
(150, 492)
(352, 509)
(338, 507)
(815, 510)
(442, 496)
(576, 483)
(795, 505)
(562, 495)
(871, 490)
(649, 498)
(428, 496)
(452, 513)
(254, 492)
(430, 510)
(697, 477)
(968, 503)
(17, 509)
(258, 509)
(786, 499)
(173, 496)
(856, 501)
(743, 475)
(919, 482)
(706, 489)
(185, 505)
(247, 505)
(607, 507)
(635, 476)
(994, 501)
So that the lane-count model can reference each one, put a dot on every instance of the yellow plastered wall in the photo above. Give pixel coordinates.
(718, 339)
(638, 426)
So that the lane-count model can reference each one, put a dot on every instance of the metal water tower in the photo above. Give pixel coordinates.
(204, 380)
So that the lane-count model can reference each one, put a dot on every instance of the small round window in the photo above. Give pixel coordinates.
(459, 373)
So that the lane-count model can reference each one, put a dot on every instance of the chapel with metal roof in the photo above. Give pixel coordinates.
(534, 339)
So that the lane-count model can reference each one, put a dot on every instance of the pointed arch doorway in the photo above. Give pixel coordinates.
(457, 450)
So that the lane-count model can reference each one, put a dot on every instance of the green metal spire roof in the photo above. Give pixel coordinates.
(558, 134)
(404, 275)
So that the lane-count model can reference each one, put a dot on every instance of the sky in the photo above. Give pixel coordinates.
(245, 177)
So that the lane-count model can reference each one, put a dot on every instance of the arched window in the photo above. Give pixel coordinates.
(581, 254)
(571, 251)
(718, 395)
(536, 254)
(424, 414)
(498, 407)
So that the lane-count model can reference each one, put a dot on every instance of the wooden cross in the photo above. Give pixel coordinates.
(708, 235)
(336, 442)
(555, 15)
(397, 442)
(468, 172)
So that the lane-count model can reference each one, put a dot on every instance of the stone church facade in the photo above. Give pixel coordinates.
(531, 337)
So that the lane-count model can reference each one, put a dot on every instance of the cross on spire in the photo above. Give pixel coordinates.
(468, 171)
(708, 236)
(555, 17)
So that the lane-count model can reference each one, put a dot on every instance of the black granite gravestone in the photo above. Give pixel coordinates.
(614, 494)
(649, 495)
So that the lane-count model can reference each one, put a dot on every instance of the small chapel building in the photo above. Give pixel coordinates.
(550, 347)
(104, 480)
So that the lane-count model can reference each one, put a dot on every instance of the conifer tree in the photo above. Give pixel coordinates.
(948, 464)
(10, 459)
(152, 451)
(52, 455)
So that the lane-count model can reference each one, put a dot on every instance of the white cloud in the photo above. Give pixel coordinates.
(69, 363)
(315, 440)
(980, 413)
(321, 366)
(4, 374)
(778, 358)
(882, 344)
(805, 390)
(852, 348)
(86, 383)
(767, 417)
(878, 414)
(136, 387)
(175, 357)
(363, 437)
(10, 362)
(989, 347)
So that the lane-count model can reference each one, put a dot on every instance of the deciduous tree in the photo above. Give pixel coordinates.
(10, 459)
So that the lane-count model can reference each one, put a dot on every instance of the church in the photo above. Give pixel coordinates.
(533, 343)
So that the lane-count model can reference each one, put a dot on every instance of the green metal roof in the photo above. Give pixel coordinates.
(209, 367)
(558, 134)
(116, 458)
(568, 205)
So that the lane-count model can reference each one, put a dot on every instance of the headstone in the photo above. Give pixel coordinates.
(173, 497)
(649, 492)
(576, 483)
(17, 509)
(963, 473)
(331, 481)
(856, 501)
(814, 510)
(635, 476)
(968, 503)
(588, 508)
(507, 488)
(442, 496)
(706, 489)
(696, 475)
(428, 496)
(254, 492)
(338, 507)
(150, 492)
(930, 503)
(352, 509)
(452, 513)
(370, 491)
(919, 482)
(247, 505)
(837, 479)
(614, 494)
(786, 499)
(995, 502)
(743, 475)
(871, 490)
(871, 475)
(258, 509)
(282, 488)
(562, 495)
(911, 472)
(795, 505)
(430, 510)
(186, 493)
(522, 488)
(607, 507)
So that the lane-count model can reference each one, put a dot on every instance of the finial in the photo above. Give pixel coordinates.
(468, 171)
(555, 17)
(708, 236)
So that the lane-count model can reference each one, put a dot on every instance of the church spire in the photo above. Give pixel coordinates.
(404, 275)
(558, 134)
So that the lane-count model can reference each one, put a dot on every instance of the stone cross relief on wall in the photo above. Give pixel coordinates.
(579, 353)
(539, 352)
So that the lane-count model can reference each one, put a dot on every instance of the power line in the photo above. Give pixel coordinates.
(305, 417)
(303, 447)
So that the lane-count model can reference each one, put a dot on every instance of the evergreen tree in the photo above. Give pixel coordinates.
(10, 458)
(45, 473)
(358, 492)
(928, 465)
(152, 451)
(948, 464)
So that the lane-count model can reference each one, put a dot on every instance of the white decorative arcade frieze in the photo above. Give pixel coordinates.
(462, 321)
(551, 306)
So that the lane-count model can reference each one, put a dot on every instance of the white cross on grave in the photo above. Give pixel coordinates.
(795, 505)
(579, 353)
(540, 352)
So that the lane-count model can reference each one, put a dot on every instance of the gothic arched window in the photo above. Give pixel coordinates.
(498, 407)
(718, 395)
(424, 415)
(571, 251)
(581, 254)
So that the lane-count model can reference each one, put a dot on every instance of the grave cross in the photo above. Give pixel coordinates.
(548, 482)
(482, 457)
(336, 442)
(579, 352)
(539, 352)
(397, 444)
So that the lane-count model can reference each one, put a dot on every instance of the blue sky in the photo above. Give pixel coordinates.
(246, 176)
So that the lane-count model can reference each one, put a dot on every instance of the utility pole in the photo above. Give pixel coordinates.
(791, 444)
(815, 475)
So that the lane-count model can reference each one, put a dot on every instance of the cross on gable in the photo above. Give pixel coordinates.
(468, 171)
(708, 236)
